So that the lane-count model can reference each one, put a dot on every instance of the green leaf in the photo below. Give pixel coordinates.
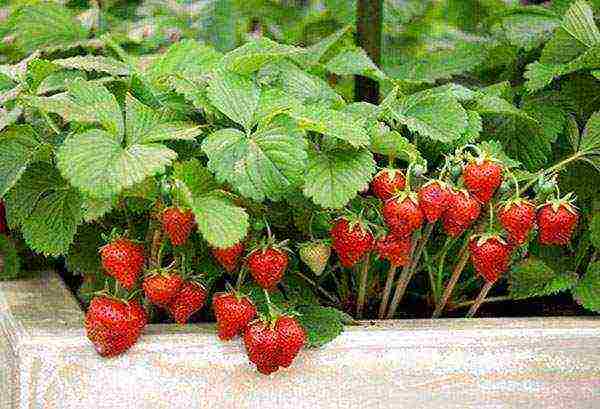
(194, 177)
(47, 209)
(355, 61)
(322, 324)
(18, 148)
(579, 23)
(44, 24)
(595, 231)
(37, 71)
(85, 102)
(253, 55)
(436, 116)
(10, 263)
(495, 150)
(187, 58)
(95, 63)
(98, 165)
(145, 125)
(318, 50)
(263, 165)
(95, 208)
(298, 291)
(8, 118)
(336, 124)
(534, 278)
(587, 291)
(257, 295)
(392, 143)
(590, 139)
(83, 256)
(333, 178)
(527, 27)
(59, 81)
(234, 95)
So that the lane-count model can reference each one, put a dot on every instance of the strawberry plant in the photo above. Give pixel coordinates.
(161, 167)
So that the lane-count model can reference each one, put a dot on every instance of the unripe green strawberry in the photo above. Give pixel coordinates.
(178, 224)
(315, 254)
(113, 325)
(124, 260)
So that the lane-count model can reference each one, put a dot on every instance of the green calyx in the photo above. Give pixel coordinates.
(484, 237)
(567, 201)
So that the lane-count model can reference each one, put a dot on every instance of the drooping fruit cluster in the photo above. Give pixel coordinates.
(114, 325)
(351, 240)
(274, 344)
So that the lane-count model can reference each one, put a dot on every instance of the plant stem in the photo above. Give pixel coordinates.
(479, 300)
(458, 268)
(327, 294)
(387, 290)
(156, 245)
(362, 289)
(441, 261)
(551, 169)
(403, 280)
(486, 300)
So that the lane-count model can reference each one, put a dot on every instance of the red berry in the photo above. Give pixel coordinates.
(162, 288)
(433, 200)
(270, 347)
(178, 224)
(123, 259)
(462, 211)
(517, 218)
(403, 216)
(394, 249)
(482, 179)
(387, 183)
(351, 241)
(291, 337)
(556, 223)
(267, 266)
(189, 300)
(490, 257)
(229, 257)
(113, 326)
(262, 346)
(233, 314)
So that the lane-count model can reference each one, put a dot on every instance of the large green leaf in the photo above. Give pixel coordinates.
(527, 27)
(436, 116)
(579, 23)
(333, 178)
(234, 95)
(590, 139)
(85, 102)
(587, 291)
(98, 165)
(145, 125)
(355, 61)
(185, 58)
(96, 63)
(263, 165)
(10, 263)
(336, 124)
(47, 209)
(534, 278)
(392, 143)
(18, 148)
(253, 55)
(322, 324)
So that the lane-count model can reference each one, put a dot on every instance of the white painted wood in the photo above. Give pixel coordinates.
(457, 363)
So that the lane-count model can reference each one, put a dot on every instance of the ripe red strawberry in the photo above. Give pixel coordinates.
(123, 259)
(482, 178)
(315, 254)
(262, 346)
(3, 223)
(291, 337)
(462, 211)
(267, 266)
(351, 240)
(433, 200)
(233, 314)
(403, 215)
(189, 299)
(161, 288)
(517, 217)
(113, 326)
(387, 183)
(178, 224)
(490, 256)
(229, 257)
(394, 249)
(556, 221)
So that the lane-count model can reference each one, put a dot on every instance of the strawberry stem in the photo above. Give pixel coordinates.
(491, 225)
(458, 268)
(516, 182)
(479, 300)
(403, 281)
(240, 278)
(362, 289)
(389, 282)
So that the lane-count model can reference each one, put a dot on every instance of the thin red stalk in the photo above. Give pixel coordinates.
(387, 290)
(480, 298)
(458, 268)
